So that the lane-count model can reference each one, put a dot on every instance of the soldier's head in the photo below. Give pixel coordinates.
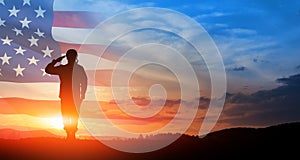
(71, 55)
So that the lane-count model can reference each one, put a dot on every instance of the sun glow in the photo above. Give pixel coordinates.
(54, 122)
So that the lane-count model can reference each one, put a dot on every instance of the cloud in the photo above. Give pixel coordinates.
(240, 51)
(222, 25)
(241, 31)
(291, 81)
(247, 33)
(298, 67)
(257, 60)
(265, 107)
(143, 101)
(242, 68)
(209, 15)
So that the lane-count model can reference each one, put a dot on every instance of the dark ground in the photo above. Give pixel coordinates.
(281, 141)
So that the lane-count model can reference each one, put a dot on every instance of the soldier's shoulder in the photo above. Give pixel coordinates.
(79, 66)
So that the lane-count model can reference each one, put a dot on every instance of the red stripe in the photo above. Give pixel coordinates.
(26, 106)
(103, 77)
(76, 19)
(93, 49)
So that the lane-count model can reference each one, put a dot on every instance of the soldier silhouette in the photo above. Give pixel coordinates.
(73, 85)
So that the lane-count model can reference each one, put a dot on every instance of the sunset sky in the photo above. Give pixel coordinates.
(258, 42)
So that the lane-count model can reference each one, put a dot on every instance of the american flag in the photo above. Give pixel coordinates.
(26, 44)
(32, 34)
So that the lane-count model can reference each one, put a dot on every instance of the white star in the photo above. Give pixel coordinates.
(17, 31)
(25, 23)
(20, 50)
(44, 73)
(5, 59)
(39, 33)
(47, 52)
(33, 41)
(19, 70)
(32, 60)
(6, 41)
(13, 11)
(40, 12)
(26, 2)
(2, 2)
(2, 22)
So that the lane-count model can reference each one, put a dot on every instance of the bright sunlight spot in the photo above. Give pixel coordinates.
(54, 122)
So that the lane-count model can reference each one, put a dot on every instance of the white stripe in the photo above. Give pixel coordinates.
(93, 62)
(45, 91)
(37, 91)
(79, 35)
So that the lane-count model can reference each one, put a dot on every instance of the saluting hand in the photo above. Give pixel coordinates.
(59, 59)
